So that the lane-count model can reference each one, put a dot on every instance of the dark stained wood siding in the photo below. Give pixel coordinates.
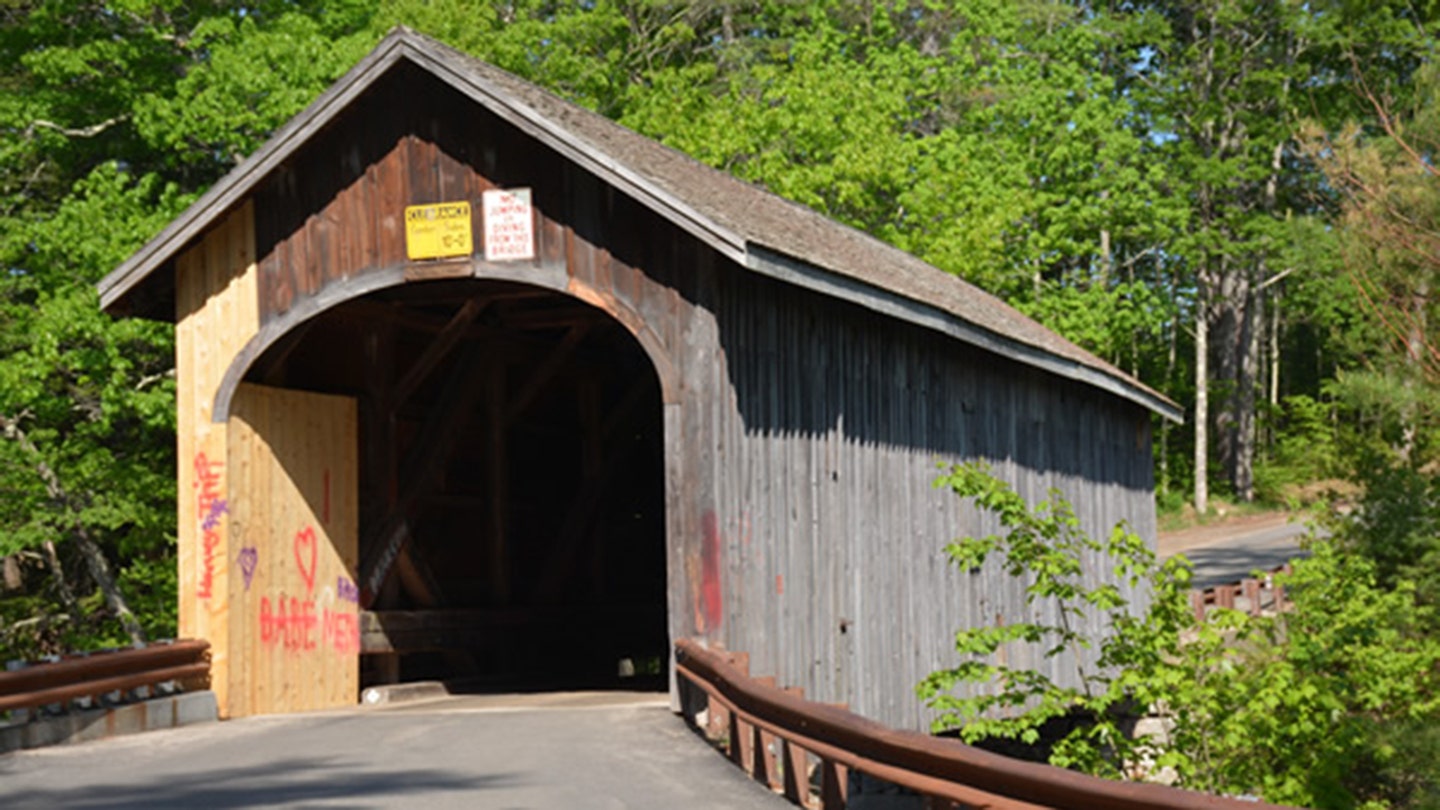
(802, 432)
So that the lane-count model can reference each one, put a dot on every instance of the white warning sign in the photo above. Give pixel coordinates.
(509, 225)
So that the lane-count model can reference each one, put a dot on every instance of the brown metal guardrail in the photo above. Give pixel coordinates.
(1254, 596)
(774, 734)
(105, 672)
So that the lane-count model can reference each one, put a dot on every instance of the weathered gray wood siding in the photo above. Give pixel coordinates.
(812, 433)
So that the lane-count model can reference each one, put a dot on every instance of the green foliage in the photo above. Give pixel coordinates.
(1395, 523)
(1300, 708)
(95, 399)
(1304, 449)
(255, 78)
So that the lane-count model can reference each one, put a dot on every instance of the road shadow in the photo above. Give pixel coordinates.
(292, 783)
(1222, 565)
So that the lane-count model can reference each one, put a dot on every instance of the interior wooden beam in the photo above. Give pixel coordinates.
(417, 579)
(498, 474)
(400, 631)
(451, 292)
(411, 320)
(431, 448)
(573, 531)
(438, 350)
(377, 422)
(545, 372)
(552, 318)
(273, 372)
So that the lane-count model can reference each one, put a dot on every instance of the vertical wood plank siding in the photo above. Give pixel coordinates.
(215, 283)
(802, 432)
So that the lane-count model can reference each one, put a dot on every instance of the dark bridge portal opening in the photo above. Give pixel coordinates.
(512, 526)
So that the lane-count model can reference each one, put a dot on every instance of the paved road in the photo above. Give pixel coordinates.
(1225, 554)
(454, 753)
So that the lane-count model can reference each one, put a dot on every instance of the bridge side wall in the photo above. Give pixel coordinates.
(813, 457)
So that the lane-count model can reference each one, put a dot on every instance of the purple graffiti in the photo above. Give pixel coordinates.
(248, 559)
(346, 590)
(217, 508)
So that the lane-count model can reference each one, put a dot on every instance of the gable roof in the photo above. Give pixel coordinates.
(751, 226)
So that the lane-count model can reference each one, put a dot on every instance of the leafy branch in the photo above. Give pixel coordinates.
(1314, 707)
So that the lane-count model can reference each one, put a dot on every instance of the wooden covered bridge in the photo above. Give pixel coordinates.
(473, 381)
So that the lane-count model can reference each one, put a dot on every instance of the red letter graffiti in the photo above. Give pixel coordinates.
(210, 506)
(341, 631)
(295, 629)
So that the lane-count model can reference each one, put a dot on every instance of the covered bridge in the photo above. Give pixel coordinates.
(473, 381)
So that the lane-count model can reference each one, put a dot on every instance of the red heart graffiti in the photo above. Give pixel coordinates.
(305, 539)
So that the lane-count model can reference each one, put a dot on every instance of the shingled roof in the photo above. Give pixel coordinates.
(751, 226)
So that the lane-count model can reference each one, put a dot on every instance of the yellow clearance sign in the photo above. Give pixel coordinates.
(438, 231)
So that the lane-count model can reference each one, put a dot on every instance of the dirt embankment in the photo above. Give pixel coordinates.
(1219, 531)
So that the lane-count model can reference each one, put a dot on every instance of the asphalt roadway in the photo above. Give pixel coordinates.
(620, 751)
(1230, 552)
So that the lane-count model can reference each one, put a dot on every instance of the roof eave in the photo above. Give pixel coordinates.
(774, 264)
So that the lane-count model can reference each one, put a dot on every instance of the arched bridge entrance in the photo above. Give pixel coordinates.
(511, 524)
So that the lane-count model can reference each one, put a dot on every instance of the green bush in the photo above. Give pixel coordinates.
(1395, 523)
(1303, 708)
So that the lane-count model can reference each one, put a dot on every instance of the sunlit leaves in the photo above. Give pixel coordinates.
(1297, 707)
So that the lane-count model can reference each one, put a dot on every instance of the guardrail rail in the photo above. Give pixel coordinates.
(1257, 597)
(97, 674)
(780, 738)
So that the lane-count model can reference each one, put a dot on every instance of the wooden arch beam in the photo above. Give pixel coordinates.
(349, 289)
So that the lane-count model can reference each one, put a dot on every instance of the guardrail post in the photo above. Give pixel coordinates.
(1225, 596)
(739, 741)
(833, 785)
(797, 773)
(717, 718)
(1251, 587)
(762, 759)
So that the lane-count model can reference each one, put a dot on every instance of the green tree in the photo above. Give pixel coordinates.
(114, 116)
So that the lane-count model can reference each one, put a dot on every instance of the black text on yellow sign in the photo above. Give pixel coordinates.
(438, 231)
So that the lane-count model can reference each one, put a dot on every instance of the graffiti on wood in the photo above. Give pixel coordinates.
(248, 558)
(346, 589)
(306, 555)
(301, 624)
(211, 507)
(704, 576)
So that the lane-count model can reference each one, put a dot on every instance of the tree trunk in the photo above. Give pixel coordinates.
(1275, 350)
(100, 572)
(1414, 355)
(1236, 346)
(1246, 380)
(62, 585)
(94, 557)
(1202, 398)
